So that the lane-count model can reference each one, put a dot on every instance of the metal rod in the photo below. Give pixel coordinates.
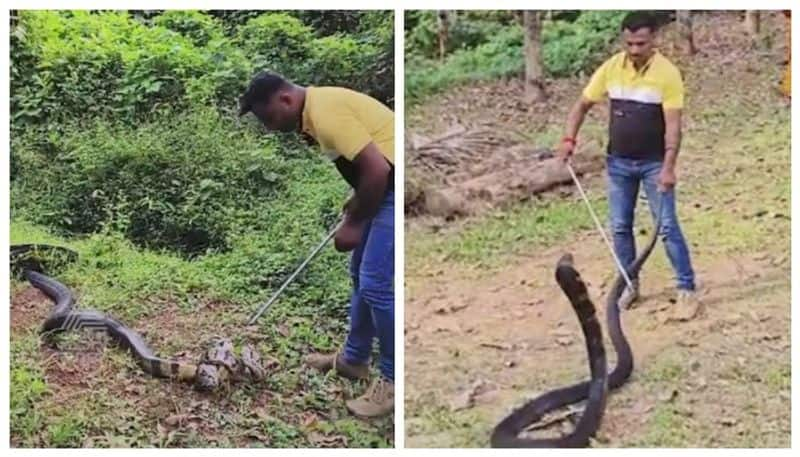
(622, 269)
(289, 280)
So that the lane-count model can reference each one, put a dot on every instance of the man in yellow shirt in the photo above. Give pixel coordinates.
(645, 94)
(357, 133)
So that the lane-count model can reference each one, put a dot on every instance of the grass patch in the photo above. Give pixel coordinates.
(487, 241)
(778, 378)
(133, 284)
(452, 430)
(27, 389)
(667, 427)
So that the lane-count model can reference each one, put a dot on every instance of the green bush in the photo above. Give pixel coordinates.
(337, 60)
(277, 41)
(568, 48)
(185, 183)
(502, 56)
(466, 33)
(572, 47)
(88, 65)
(195, 25)
(119, 120)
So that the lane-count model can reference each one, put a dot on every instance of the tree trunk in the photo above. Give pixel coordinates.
(685, 37)
(534, 70)
(443, 23)
(752, 23)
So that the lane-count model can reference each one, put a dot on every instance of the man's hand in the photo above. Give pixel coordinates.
(566, 149)
(349, 235)
(666, 179)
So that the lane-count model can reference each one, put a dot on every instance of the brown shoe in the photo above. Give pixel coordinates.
(687, 306)
(328, 362)
(377, 401)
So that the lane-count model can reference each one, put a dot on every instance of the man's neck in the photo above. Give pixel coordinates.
(301, 94)
(638, 65)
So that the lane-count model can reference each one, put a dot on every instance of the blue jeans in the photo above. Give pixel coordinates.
(624, 176)
(372, 300)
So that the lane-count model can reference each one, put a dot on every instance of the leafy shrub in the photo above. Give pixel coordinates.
(185, 183)
(465, 33)
(88, 65)
(502, 56)
(195, 25)
(568, 48)
(277, 41)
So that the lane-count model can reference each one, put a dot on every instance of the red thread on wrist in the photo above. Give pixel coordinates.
(567, 139)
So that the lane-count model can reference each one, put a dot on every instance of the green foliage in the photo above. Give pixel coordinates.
(501, 56)
(572, 47)
(195, 25)
(87, 65)
(568, 48)
(185, 182)
(363, 61)
(277, 41)
(81, 65)
(27, 388)
(467, 32)
(337, 60)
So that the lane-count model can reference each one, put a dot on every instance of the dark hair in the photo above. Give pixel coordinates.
(636, 20)
(261, 89)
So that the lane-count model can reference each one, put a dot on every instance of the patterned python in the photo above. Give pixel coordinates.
(218, 364)
(595, 390)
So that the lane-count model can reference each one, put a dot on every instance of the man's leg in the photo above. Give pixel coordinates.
(359, 341)
(376, 286)
(623, 188)
(353, 361)
(674, 243)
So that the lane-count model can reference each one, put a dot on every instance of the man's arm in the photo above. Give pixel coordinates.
(574, 121)
(347, 170)
(372, 172)
(672, 136)
(672, 143)
(577, 115)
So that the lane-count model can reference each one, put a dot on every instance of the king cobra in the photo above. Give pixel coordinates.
(595, 390)
(217, 365)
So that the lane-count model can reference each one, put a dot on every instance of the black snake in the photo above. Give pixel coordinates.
(218, 364)
(595, 390)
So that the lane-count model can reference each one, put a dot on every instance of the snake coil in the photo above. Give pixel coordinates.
(595, 390)
(218, 364)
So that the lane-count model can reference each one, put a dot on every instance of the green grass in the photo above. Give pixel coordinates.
(457, 429)
(135, 284)
(28, 390)
(667, 427)
(487, 241)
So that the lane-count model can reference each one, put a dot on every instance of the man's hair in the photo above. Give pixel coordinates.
(636, 20)
(262, 87)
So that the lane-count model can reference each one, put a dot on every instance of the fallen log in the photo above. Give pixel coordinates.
(532, 174)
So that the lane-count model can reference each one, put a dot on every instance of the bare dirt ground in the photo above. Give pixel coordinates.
(480, 339)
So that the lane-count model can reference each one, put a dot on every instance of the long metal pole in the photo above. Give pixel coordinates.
(622, 269)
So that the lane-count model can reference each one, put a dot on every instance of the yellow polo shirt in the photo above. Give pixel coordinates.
(344, 121)
(637, 100)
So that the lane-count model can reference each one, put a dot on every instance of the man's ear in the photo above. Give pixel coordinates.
(285, 98)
